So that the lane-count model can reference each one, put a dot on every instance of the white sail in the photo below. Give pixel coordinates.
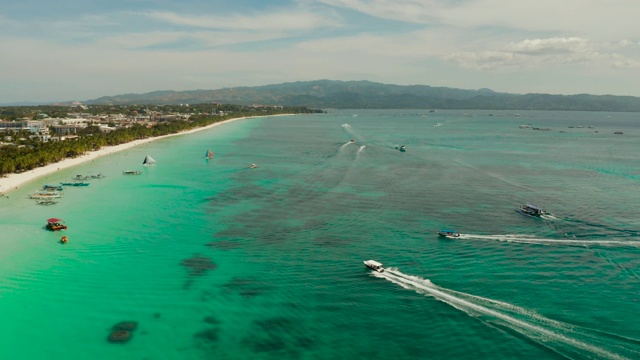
(148, 160)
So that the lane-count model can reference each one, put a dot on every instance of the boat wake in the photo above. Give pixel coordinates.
(565, 339)
(531, 239)
(345, 145)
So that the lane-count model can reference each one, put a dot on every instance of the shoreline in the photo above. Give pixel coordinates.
(14, 181)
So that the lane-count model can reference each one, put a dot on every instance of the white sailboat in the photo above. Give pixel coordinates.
(148, 160)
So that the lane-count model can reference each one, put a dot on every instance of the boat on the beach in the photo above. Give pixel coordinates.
(132, 172)
(55, 224)
(531, 210)
(51, 187)
(76, 183)
(148, 160)
(209, 154)
(374, 265)
(46, 195)
(448, 233)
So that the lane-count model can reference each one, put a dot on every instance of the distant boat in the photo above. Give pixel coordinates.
(51, 187)
(209, 155)
(46, 195)
(77, 183)
(46, 202)
(374, 265)
(55, 224)
(253, 166)
(448, 233)
(148, 160)
(132, 172)
(88, 177)
(531, 210)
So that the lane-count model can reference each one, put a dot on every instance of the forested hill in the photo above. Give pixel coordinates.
(371, 95)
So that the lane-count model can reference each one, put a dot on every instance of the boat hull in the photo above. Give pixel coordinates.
(374, 265)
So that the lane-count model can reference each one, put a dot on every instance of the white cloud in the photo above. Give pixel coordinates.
(556, 45)
(591, 18)
(290, 21)
(539, 53)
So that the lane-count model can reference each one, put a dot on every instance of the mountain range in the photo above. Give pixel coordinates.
(372, 95)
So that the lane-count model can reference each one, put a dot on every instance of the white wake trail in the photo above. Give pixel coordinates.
(471, 306)
(530, 239)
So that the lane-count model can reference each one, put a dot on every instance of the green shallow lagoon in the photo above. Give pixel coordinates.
(217, 260)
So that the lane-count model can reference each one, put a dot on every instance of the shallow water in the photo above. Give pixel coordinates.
(214, 259)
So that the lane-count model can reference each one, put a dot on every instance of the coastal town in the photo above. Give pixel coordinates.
(32, 137)
(60, 123)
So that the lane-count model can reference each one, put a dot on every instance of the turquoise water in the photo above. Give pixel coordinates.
(216, 260)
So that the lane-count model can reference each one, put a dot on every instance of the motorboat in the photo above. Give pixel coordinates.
(531, 210)
(374, 265)
(403, 148)
(253, 166)
(448, 233)
(46, 202)
(132, 172)
(55, 224)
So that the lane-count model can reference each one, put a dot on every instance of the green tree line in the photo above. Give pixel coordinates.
(36, 154)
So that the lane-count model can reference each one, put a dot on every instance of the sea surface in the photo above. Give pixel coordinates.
(215, 260)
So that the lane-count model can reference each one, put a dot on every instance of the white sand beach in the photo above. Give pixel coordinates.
(14, 181)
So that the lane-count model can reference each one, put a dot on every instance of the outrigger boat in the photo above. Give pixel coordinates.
(374, 265)
(448, 233)
(51, 187)
(531, 210)
(46, 195)
(88, 177)
(55, 224)
(77, 183)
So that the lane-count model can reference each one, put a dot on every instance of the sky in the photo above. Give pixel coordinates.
(66, 50)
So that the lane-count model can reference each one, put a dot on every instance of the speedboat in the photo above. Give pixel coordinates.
(403, 148)
(374, 265)
(253, 166)
(448, 233)
(531, 210)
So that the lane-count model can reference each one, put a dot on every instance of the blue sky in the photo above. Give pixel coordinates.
(83, 49)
